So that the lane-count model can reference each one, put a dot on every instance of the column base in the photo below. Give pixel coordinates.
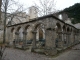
(60, 45)
(50, 51)
(33, 49)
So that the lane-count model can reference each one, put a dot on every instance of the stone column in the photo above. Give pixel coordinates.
(72, 38)
(68, 39)
(16, 38)
(24, 40)
(10, 39)
(34, 41)
(50, 48)
(64, 39)
(76, 38)
(60, 42)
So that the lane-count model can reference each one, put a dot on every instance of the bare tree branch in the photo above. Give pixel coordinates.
(46, 7)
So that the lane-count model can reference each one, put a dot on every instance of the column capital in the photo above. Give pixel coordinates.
(24, 33)
(17, 33)
(34, 32)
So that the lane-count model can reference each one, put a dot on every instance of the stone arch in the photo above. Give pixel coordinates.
(58, 34)
(68, 29)
(12, 36)
(26, 27)
(64, 28)
(18, 28)
(64, 35)
(38, 24)
(19, 34)
(40, 35)
(58, 27)
(28, 34)
(12, 29)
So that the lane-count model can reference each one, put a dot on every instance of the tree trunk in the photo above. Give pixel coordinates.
(0, 10)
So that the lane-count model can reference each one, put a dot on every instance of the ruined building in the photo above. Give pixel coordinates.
(47, 34)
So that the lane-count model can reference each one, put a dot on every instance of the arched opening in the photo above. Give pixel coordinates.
(68, 29)
(64, 28)
(59, 35)
(29, 35)
(19, 36)
(68, 36)
(58, 27)
(64, 35)
(12, 36)
(40, 35)
(12, 30)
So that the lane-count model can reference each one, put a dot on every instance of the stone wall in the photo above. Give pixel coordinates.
(54, 28)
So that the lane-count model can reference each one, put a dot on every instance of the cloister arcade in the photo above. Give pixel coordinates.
(48, 33)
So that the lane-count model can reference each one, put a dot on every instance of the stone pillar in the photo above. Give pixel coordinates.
(64, 39)
(24, 39)
(72, 38)
(50, 48)
(17, 37)
(76, 38)
(60, 42)
(34, 41)
(68, 39)
(79, 36)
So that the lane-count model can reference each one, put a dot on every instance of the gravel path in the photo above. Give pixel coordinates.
(15, 54)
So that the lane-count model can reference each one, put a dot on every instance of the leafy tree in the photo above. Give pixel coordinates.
(74, 13)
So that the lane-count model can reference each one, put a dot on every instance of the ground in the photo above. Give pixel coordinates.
(16, 54)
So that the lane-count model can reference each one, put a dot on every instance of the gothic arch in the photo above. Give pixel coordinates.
(58, 27)
(38, 24)
(18, 28)
(26, 27)
(68, 29)
(12, 35)
(29, 35)
(64, 28)
(40, 35)
(12, 29)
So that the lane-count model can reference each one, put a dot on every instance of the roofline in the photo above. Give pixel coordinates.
(39, 18)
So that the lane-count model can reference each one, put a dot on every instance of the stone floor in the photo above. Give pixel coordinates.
(15, 54)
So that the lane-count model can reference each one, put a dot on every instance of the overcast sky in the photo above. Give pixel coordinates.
(60, 4)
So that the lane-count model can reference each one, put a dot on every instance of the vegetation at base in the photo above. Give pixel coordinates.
(73, 13)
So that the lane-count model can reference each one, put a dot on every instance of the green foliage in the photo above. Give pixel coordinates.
(74, 13)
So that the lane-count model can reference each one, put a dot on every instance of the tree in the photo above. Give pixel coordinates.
(74, 13)
(45, 7)
(10, 12)
(0, 10)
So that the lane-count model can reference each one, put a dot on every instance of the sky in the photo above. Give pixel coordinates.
(60, 4)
